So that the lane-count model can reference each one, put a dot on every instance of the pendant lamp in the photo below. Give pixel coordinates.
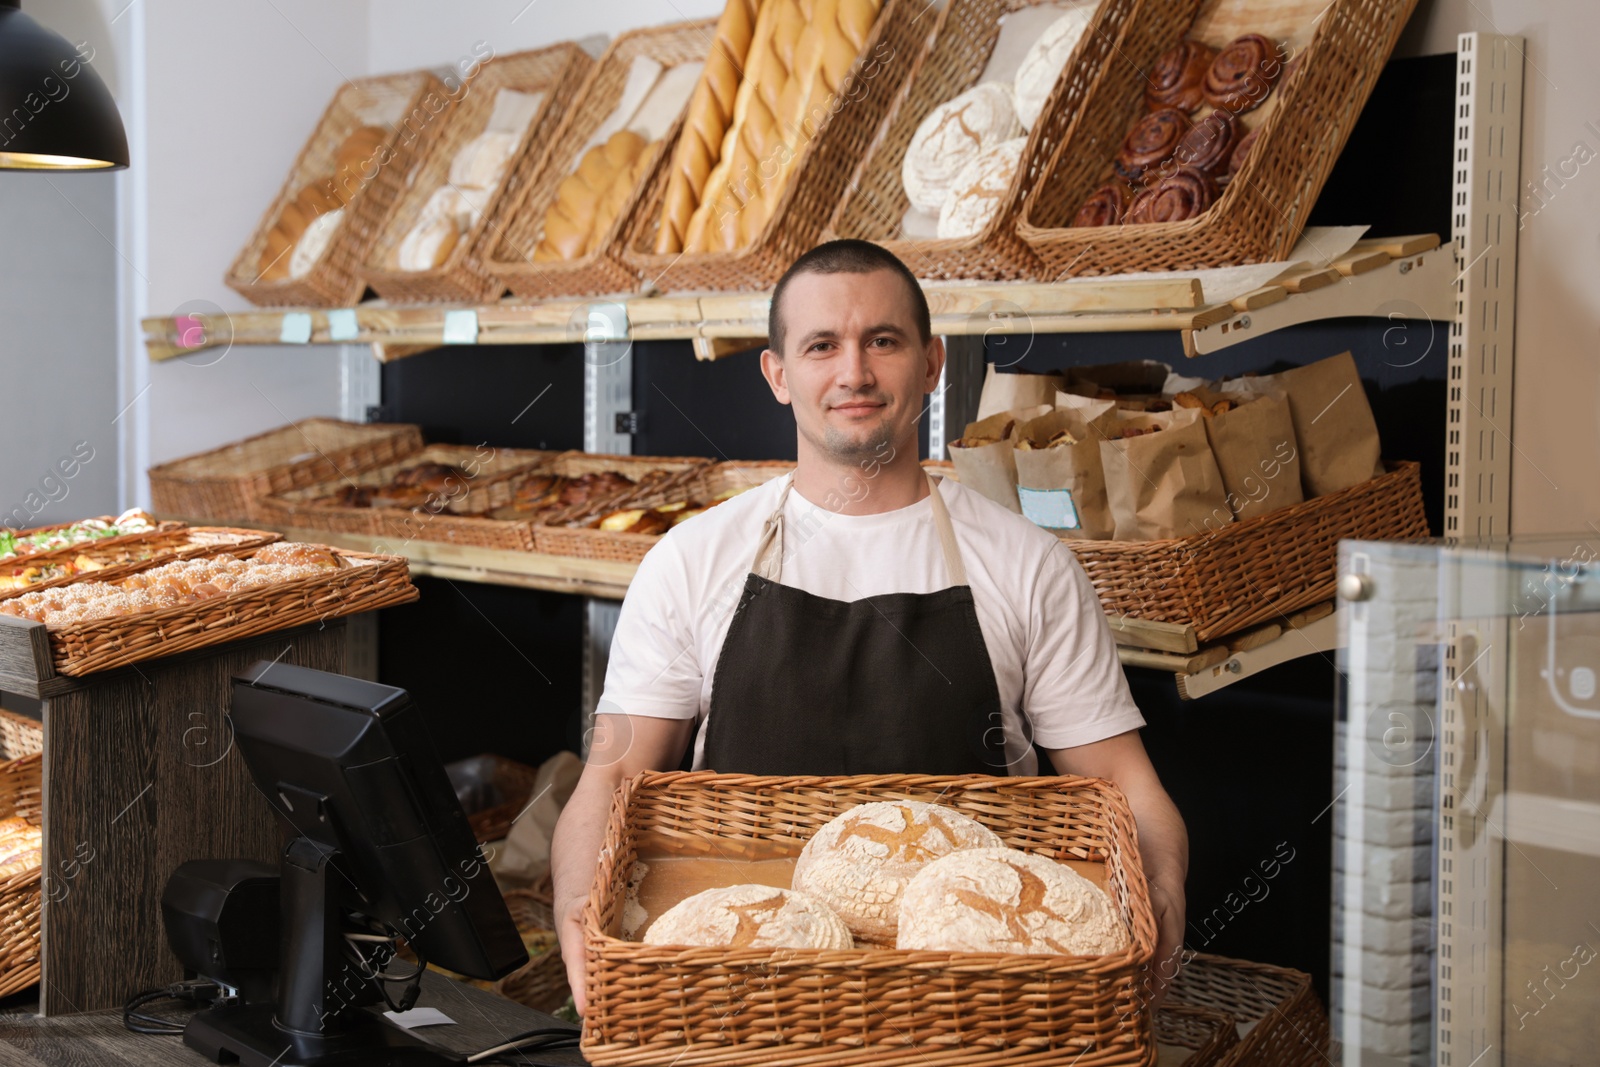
(55, 112)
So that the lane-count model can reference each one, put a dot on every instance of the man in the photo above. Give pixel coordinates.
(857, 618)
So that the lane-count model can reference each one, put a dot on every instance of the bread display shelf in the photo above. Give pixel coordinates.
(1400, 278)
(650, 1003)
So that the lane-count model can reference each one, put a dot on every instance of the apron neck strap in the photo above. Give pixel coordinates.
(769, 550)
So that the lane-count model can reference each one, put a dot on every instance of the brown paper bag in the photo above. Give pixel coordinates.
(1255, 450)
(1333, 424)
(1063, 487)
(1008, 392)
(989, 468)
(1163, 484)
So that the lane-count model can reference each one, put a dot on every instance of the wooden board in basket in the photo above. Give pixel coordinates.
(875, 203)
(512, 253)
(1330, 56)
(1244, 573)
(102, 561)
(556, 72)
(346, 170)
(227, 484)
(649, 1003)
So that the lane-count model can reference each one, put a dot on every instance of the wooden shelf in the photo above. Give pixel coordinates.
(1402, 277)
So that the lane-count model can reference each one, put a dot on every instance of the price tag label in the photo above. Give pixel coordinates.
(342, 325)
(461, 327)
(296, 329)
(605, 322)
(1054, 509)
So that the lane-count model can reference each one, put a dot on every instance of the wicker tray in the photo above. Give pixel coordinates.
(83, 648)
(659, 1004)
(515, 782)
(1207, 1035)
(963, 37)
(1287, 1026)
(1247, 572)
(397, 101)
(228, 483)
(702, 485)
(815, 183)
(492, 472)
(1339, 48)
(558, 71)
(541, 983)
(21, 745)
(510, 257)
(149, 550)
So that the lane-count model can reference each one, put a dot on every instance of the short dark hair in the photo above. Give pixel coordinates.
(847, 257)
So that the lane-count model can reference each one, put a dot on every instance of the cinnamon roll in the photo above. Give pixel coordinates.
(1243, 74)
(1209, 143)
(1241, 151)
(1181, 195)
(1151, 142)
(1105, 206)
(1179, 76)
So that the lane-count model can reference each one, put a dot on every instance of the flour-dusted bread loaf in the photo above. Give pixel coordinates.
(1043, 64)
(953, 135)
(1006, 900)
(750, 916)
(980, 189)
(859, 863)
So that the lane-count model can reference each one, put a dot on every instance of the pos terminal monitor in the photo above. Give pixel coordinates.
(378, 848)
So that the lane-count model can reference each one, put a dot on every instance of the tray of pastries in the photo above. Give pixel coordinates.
(118, 555)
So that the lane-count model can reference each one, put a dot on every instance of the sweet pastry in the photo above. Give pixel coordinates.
(1041, 67)
(1151, 143)
(750, 916)
(951, 136)
(1178, 78)
(1006, 900)
(860, 861)
(1209, 143)
(638, 521)
(572, 215)
(1181, 195)
(1241, 152)
(593, 486)
(538, 491)
(1243, 74)
(1105, 207)
(980, 189)
(705, 123)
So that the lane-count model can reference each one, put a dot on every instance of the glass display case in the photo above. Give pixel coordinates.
(1466, 896)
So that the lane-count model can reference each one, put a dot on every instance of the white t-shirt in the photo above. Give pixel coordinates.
(1053, 655)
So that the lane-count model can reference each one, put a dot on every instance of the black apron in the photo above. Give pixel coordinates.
(893, 684)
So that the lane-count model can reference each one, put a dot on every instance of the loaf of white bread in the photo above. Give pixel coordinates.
(979, 190)
(1041, 67)
(953, 135)
(750, 916)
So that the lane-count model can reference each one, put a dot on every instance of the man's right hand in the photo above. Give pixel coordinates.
(569, 929)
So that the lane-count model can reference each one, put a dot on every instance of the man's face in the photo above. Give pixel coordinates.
(853, 367)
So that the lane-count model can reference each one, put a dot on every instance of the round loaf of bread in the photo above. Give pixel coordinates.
(980, 189)
(1041, 67)
(859, 863)
(750, 916)
(1006, 900)
(952, 135)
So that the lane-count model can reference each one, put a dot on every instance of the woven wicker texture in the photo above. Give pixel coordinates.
(228, 483)
(1338, 50)
(510, 256)
(1246, 572)
(816, 179)
(1208, 1035)
(21, 747)
(657, 1004)
(371, 582)
(150, 550)
(875, 201)
(558, 71)
(1288, 1027)
(702, 485)
(515, 782)
(409, 106)
(541, 983)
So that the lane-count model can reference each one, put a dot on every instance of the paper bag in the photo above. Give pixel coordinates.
(989, 468)
(1163, 484)
(1333, 424)
(1254, 446)
(527, 851)
(1062, 487)
(1008, 392)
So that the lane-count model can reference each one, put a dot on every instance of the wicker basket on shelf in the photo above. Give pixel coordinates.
(515, 783)
(1339, 49)
(149, 550)
(963, 37)
(409, 106)
(649, 1003)
(228, 483)
(509, 253)
(815, 181)
(21, 748)
(541, 983)
(1243, 573)
(1284, 1023)
(1208, 1035)
(558, 71)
